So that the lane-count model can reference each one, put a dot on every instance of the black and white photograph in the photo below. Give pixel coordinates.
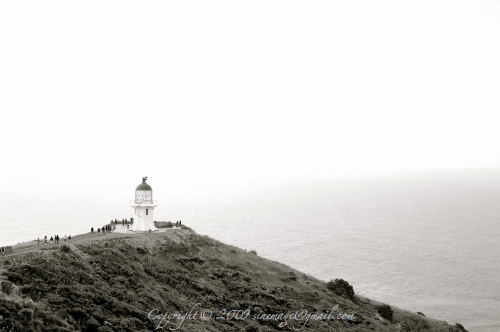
(250, 166)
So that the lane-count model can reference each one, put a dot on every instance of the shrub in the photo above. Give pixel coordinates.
(65, 248)
(253, 252)
(252, 328)
(385, 311)
(412, 324)
(341, 287)
(26, 314)
(164, 224)
(15, 277)
(6, 287)
(460, 327)
(92, 324)
(142, 251)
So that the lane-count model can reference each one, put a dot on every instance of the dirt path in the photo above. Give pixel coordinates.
(80, 238)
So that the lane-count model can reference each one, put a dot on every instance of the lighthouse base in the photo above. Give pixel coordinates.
(143, 220)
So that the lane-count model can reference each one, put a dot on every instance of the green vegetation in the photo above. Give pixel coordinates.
(341, 287)
(385, 311)
(164, 224)
(112, 284)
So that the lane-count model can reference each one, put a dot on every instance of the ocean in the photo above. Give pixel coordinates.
(425, 241)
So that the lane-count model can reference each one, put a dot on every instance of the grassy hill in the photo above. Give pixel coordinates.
(129, 283)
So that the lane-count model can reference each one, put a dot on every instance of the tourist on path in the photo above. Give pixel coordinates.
(51, 239)
(38, 240)
(92, 230)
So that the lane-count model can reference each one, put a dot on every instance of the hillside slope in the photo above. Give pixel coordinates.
(127, 284)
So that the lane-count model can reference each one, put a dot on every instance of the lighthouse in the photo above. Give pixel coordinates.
(143, 206)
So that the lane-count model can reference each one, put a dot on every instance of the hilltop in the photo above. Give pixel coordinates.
(115, 283)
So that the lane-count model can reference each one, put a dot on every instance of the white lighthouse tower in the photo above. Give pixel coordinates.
(143, 206)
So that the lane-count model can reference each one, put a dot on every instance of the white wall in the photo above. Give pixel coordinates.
(142, 221)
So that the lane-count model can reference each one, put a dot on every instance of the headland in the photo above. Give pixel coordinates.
(176, 279)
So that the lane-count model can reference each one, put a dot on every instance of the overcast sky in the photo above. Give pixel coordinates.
(232, 88)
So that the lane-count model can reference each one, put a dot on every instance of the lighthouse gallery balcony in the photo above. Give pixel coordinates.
(143, 203)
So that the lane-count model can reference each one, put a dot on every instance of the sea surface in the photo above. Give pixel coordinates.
(425, 241)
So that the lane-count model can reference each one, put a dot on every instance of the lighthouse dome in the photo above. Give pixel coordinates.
(144, 186)
(144, 193)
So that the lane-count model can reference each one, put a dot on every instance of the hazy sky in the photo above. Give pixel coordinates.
(230, 88)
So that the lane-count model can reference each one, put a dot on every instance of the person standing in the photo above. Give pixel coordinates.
(38, 240)
(51, 239)
(92, 230)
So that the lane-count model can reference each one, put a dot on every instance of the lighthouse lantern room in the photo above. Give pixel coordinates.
(143, 206)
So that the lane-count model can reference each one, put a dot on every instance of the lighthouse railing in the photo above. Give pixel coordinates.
(143, 202)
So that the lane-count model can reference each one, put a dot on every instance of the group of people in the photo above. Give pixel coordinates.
(53, 240)
(105, 229)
